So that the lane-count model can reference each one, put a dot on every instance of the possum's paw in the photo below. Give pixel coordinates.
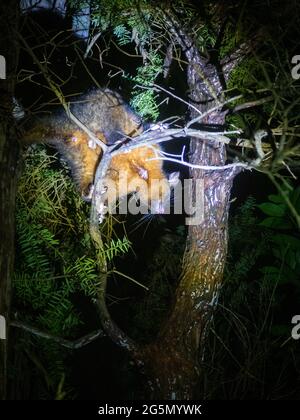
(87, 194)
(102, 210)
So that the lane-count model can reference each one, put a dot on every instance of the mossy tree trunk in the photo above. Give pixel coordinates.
(8, 170)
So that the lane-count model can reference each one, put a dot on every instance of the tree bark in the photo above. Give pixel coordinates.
(8, 169)
(172, 363)
(174, 360)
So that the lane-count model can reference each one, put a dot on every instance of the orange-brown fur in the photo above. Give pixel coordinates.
(134, 166)
(105, 113)
(127, 169)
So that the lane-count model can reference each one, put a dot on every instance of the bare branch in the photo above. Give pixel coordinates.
(80, 342)
(156, 87)
(125, 52)
(91, 43)
(55, 88)
(289, 170)
(83, 127)
(252, 104)
(162, 135)
(205, 167)
(219, 106)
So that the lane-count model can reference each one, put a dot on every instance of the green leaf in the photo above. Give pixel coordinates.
(276, 198)
(288, 241)
(270, 209)
(281, 330)
(270, 269)
(276, 223)
(291, 259)
(295, 199)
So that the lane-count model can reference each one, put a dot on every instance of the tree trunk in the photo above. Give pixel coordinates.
(8, 164)
(173, 361)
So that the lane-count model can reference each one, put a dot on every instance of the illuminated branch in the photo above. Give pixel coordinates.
(83, 127)
(210, 111)
(111, 329)
(206, 168)
(252, 104)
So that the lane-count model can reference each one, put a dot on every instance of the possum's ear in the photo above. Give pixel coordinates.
(174, 179)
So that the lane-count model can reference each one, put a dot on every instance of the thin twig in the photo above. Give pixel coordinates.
(252, 104)
(80, 342)
(86, 68)
(90, 45)
(215, 108)
(154, 85)
(84, 128)
(205, 167)
(60, 96)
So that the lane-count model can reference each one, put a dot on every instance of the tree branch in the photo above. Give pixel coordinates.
(232, 61)
(91, 43)
(111, 329)
(73, 345)
(56, 89)
(205, 167)
(192, 53)
(158, 88)
(252, 104)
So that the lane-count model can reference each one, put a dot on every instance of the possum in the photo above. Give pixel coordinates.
(106, 114)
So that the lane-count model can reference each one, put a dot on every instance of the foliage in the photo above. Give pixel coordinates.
(52, 267)
(131, 22)
(251, 332)
(278, 212)
(160, 275)
(122, 34)
(115, 248)
(144, 101)
(284, 266)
